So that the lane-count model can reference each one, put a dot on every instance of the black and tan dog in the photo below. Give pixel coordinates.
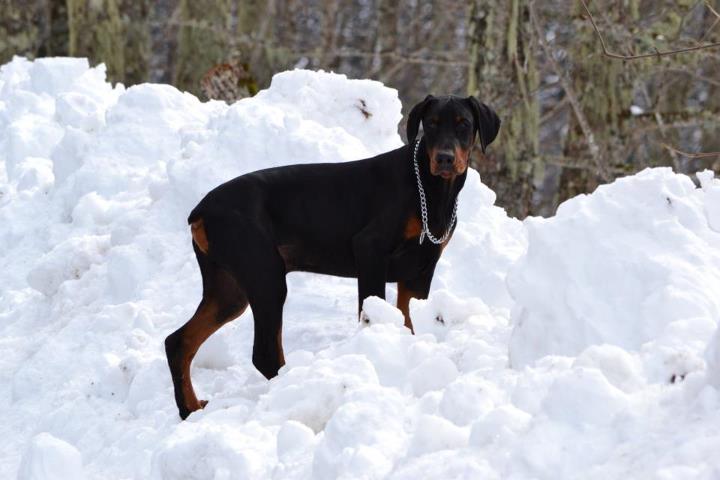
(361, 219)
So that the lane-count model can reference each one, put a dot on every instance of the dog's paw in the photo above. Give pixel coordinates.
(377, 311)
(185, 412)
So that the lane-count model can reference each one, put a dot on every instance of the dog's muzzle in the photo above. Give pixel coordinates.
(445, 162)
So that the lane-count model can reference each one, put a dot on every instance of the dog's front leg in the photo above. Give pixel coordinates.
(418, 287)
(371, 263)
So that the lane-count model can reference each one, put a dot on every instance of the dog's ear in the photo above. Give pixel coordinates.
(414, 118)
(487, 123)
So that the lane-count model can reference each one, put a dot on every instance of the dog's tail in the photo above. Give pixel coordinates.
(194, 216)
(197, 229)
(196, 213)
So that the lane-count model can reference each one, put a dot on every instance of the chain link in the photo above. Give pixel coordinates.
(423, 208)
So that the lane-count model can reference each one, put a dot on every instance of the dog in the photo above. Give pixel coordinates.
(382, 219)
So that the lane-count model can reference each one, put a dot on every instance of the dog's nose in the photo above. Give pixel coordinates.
(445, 160)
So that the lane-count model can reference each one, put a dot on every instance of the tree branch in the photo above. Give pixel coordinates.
(690, 155)
(597, 155)
(657, 53)
(717, 20)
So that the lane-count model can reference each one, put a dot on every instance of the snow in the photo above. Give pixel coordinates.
(49, 458)
(579, 346)
(636, 264)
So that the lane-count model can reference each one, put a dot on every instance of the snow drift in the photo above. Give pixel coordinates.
(636, 264)
(611, 339)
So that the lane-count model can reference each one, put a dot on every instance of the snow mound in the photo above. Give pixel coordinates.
(367, 109)
(96, 183)
(613, 301)
(49, 458)
(376, 310)
(636, 264)
(303, 117)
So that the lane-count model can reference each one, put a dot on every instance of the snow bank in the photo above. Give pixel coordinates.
(95, 185)
(614, 307)
(49, 458)
(636, 264)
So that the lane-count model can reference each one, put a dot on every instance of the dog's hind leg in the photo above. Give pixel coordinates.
(222, 302)
(267, 291)
(267, 307)
(249, 253)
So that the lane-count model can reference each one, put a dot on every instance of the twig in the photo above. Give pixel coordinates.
(433, 57)
(400, 58)
(717, 20)
(509, 103)
(681, 124)
(714, 12)
(691, 155)
(559, 106)
(697, 77)
(657, 53)
(597, 156)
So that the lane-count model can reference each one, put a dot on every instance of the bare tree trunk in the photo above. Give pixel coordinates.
(115, 32)
(57, 39)
(503, 73)
(203, 40)
(96, 31)
(386, 37)
(22, 28)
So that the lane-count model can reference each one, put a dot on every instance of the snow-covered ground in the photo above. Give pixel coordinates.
(580, 346)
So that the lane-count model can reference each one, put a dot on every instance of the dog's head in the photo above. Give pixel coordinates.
(450, 124)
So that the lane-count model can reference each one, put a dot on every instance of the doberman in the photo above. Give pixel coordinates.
(362, 219)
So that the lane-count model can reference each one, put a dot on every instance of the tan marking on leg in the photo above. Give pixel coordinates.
(403, 303)
(413, 227)
(197, 228)
(281, 354)
(204, 323)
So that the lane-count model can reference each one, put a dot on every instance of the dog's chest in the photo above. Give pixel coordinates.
(410, 259)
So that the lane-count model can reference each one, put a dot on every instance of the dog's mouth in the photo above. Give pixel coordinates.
(445, 172)
(447, 163)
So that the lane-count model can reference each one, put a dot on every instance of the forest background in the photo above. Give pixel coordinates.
(587, 91)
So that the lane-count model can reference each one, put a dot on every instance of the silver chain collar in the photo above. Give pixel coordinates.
(423, 208)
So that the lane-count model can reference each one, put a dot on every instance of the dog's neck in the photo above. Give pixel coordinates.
(441, 193)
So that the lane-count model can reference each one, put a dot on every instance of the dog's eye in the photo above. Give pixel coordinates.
(464, 124)
(431, 124)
